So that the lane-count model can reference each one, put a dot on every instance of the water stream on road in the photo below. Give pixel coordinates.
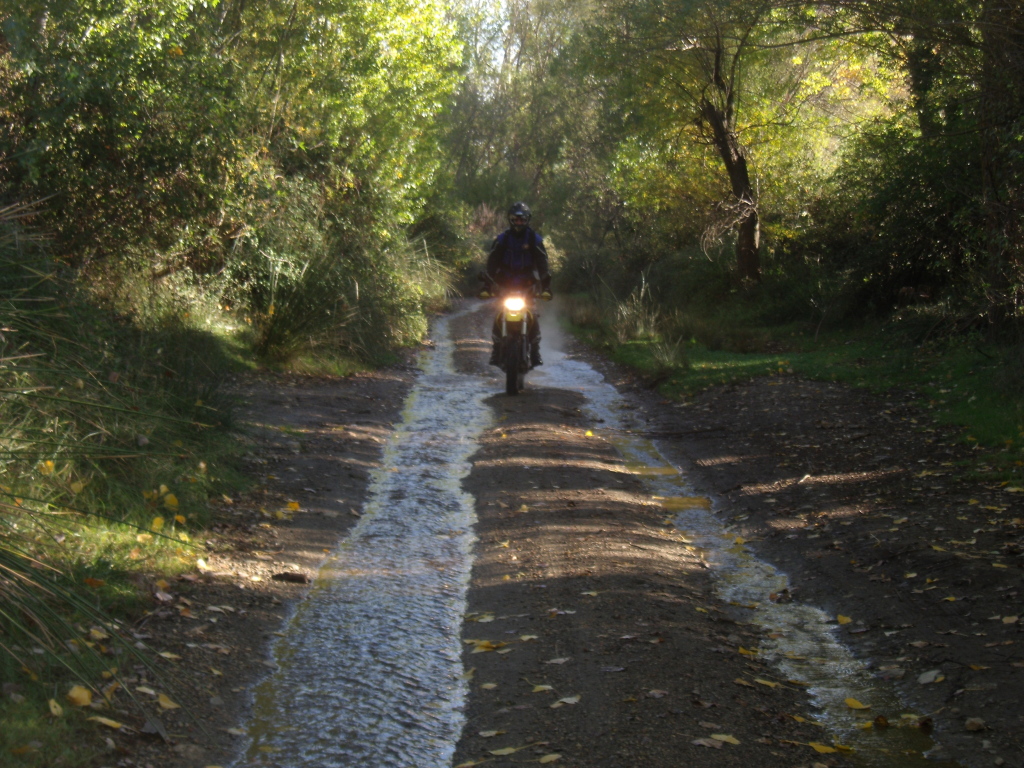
(368, 668)
(803, 645)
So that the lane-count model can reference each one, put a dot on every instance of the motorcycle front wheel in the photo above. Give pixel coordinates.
(513, 375)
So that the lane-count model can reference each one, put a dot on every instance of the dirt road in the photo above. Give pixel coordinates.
(598, 630)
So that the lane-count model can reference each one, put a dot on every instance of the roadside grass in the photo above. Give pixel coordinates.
(962, 381)
(113, 436)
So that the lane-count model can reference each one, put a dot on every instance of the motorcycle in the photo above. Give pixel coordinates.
(511, 327)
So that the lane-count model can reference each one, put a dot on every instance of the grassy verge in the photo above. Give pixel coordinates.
(960, 381)
(113, 435)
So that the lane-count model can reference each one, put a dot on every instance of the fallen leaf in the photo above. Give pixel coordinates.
(146, 690)
(741, 681)
(725, 737)
(55, 709)
(171, 501)
(566, 700)
(748, 652)
(932, 676)
(170, 656)
(854, 704)
(1010, 619)
(843, 619)
(97, 633)
(657, 694)
(489, 686)
(489, 734)
(591, 594)
(94, 583)
(550, 758)
(507, 750)
(769, 683)
(467, 675)
(165, 703)
(541, 688)
(157, 524)
(77, 486)
(107, 722)
(294, 506)
(821, 748)
(561, 660)
(79, 696)
(714, 744)
(527, 638)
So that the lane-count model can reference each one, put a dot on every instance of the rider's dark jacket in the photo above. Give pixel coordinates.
(515, 256)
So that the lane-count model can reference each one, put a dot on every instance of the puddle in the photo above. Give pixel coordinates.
(367, 672)
(804, 646)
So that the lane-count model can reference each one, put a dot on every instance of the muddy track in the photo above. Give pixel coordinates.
(595, 629)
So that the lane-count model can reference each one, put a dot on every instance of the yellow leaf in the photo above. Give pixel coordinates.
(527, 638)
(843, 619)
(725, 737)
(799, 719)
(171, 501)
(949, 599)
(937, 548)
(978, 667)
(701, 610)
(97, 633)
(589, 433)
(822, 748)
(166, 703)
(179, 519)
(741, 681)
(506, 751)
(489, 686)
(467, 675)
(999, 565)
(739, 540)
(45, 467)
(541, 688)
(854, 704)
(470, 763)
(79, 696)
(107, 722)
(56, 709)
(77, 487)
(157, 524)
(769, 683)
(144, 538)
(550, 758)
(170, 656)
(489, 734)
(162, 584)
(504, 544)
(748, 652)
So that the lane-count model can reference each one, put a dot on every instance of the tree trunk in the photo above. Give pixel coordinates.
(748, 242)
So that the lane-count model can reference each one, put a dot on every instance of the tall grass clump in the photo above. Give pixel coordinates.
(111, 440)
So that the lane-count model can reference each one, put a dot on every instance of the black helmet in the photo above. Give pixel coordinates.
(517, 210)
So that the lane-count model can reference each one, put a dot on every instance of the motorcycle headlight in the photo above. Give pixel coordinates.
(515, 304)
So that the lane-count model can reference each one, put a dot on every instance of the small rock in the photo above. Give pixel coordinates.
(975, 724)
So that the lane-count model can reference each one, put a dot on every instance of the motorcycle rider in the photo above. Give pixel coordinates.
(518, 258)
